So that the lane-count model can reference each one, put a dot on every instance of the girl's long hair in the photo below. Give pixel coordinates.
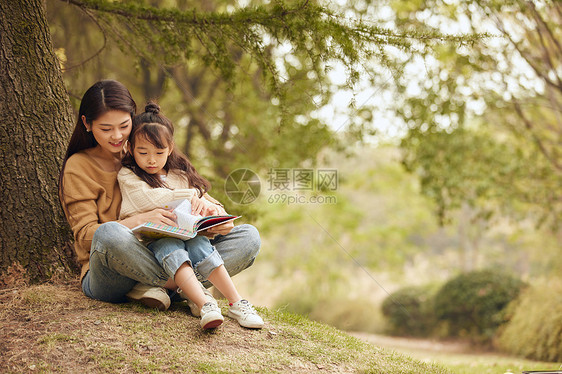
(159, 131)
(102, 97)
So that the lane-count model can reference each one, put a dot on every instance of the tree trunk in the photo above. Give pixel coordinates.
(35, 240)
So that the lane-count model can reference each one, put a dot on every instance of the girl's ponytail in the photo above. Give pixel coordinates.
(152, 107)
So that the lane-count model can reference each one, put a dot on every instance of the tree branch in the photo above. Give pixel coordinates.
(538, 141)
(261, 16)
(95, 54)
(190, 98)
(258, 15)
(526, 57)
(547, 56)
(542, 22)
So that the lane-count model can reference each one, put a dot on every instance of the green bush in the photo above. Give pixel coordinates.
(409, 312)
(535, 327)
(472, 304)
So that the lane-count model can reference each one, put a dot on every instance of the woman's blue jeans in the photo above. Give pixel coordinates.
(118, 260)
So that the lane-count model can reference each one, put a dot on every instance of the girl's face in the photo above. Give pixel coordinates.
(111, 130)
(149, 158)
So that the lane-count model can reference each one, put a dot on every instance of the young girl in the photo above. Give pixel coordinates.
(154, 174)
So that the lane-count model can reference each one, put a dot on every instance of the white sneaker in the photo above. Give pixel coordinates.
(245, 314)
(192, 306)
(151, 296)
(211, 316)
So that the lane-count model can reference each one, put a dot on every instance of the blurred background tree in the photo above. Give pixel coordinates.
(484, 122)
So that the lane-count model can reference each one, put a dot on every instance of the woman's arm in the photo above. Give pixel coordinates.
(82, 217)
(88, 202)
(80, 204)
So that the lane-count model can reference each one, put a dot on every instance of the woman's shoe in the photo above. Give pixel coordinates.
(151, 296)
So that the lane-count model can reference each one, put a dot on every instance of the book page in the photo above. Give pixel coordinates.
(185, 219)
(171, 205)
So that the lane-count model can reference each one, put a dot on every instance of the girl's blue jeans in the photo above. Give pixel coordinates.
(198, 252)
(118, 260)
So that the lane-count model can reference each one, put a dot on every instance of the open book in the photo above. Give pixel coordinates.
(188, 224)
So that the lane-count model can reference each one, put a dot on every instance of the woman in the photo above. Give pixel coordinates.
(115, 265)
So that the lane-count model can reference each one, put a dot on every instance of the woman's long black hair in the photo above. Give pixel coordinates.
(159, 131)
(102, 97)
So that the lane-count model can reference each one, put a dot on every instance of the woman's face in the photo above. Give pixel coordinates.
(111, 130)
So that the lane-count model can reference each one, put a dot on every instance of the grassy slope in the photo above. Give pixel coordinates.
(54, 328)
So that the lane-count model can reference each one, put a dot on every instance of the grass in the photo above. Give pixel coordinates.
(55, 329)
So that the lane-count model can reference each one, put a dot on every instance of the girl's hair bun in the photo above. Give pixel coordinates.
(152, 107)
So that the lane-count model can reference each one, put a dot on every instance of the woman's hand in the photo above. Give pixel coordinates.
(223, 229)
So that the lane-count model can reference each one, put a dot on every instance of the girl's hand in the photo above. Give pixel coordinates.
(198, 206)
(212, 210)
(225, 228)
(158, 216)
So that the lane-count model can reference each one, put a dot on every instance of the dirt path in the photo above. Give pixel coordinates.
(413, 344)
(457, 356)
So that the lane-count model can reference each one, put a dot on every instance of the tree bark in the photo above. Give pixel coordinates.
(35, 240)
